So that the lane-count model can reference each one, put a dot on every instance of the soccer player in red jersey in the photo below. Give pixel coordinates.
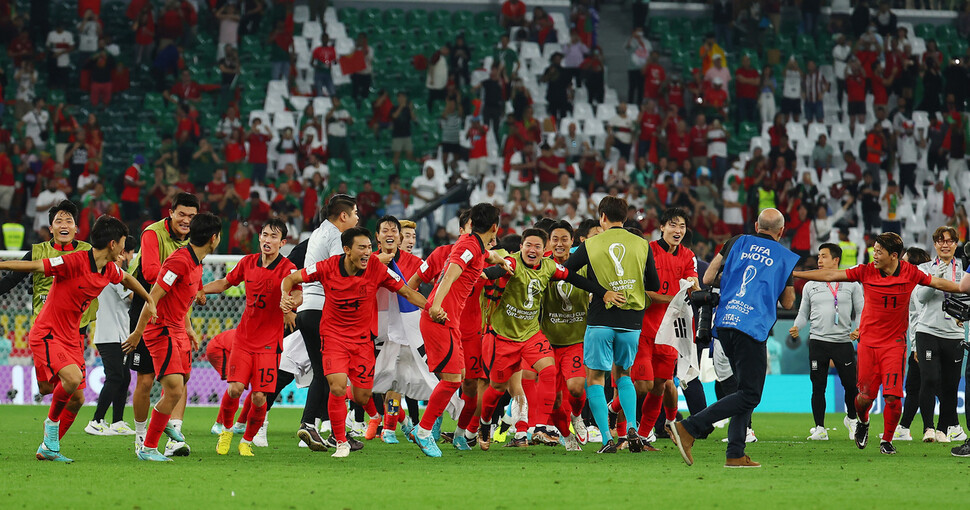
(217, 352)
(350, 282)
(887, 284)
(170, 339)
(255, 355)
(440, 320)
(55, 342)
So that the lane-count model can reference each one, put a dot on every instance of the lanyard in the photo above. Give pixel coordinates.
(835, 296)
(953, 278)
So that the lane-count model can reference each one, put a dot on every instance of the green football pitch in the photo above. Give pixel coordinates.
(796, 473)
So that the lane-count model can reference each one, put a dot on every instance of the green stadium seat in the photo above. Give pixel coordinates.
(394, 17)
(486, 18)
(748, 130)
(946, 33)
(464, 19)
(416, 18)
(348, 14)
(925, 31)
(658, 26)
(439, 18)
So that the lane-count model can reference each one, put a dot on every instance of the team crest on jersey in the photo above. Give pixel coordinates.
(814, 365)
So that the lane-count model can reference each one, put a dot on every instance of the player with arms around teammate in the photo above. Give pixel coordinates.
(887, 284)
(350, 282)
(830, 311)
(54, 339)
(255, 355)
(757, 275)
(159, 241)
(170, 339)
(621, 262)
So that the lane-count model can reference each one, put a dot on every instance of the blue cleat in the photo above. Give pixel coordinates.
(436, 430)
(217, 429)
(45, 454)
(427, 445)
(408, 429)
(389, 437)
(174, 434)
(152, 454)
(238, 428)
(461, 442)
(52, 439)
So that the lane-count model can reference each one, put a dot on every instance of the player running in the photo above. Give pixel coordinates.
(830, 338)
(170, 340)
(350, 282)
(255, 355)
(887, 284)
(55, 341)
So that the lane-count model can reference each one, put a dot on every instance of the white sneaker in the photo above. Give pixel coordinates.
(357, 431)
(593, 434)
(819, 434)
(121, 428)
(941, 437)
(902, 434)
(929, 436)
(720, 424)
(139, 443)
(177, 449)
(98, 428)
(851, 425)
(579, 429)
(343, 450)
(301, 444)
(572, 443)
(217, 428)
(651, 438)
(750, 437)
(956, 433)
(260, 438)
(324, 427)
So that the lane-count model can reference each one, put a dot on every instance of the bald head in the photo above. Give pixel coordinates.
(771, 222)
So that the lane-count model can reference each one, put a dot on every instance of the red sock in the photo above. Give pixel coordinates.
(670, 413)
(58, 400)
(862, 411)
(337, 407)
(545, 394)
(227, 410)
(155, 428)
(649, 414)
(489, 401)
(560, 420)
(890, 415)
(254, 422)
(473, 425)
(401, 414)
(621, 428)
(467, 411)
(247, 407)
(438, 402)
(67, 419)
(577, 404)
(390, 421)
(350, 393)
(371, 408)
(615, 403)
(531, 389)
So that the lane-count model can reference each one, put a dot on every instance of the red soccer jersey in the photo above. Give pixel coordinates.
(698, 141)
(223, 341)
(408, 263)
(479, 142)
(653, 77)
(351, 304)
(181, 278)
(649, 124)
(469, 254)
(671, 268)
(885, 315)
(77, 282)
(471, 316)
(261, 325)
(431, 268)
(855, 87)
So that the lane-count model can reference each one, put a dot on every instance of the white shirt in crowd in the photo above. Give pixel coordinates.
(60, 41)
(311, 170)
(733, 215)
(337, 125)
(35, 122)
(793, 84)
(324, 243)
(45, 200)
(87, 36)
(113, 321)
(906, 148)
(840, 55)
(437, 74)
(622, 128)
(426, 187)
(716, 148)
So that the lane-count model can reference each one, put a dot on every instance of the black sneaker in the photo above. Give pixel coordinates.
(636, 446)
(473, 442)
(447, 437)
(517, 442)
(309, 435)
(609, 447)
(887, 448)
(962, 450)
(355, 445)
(862, 434)
(621, 444)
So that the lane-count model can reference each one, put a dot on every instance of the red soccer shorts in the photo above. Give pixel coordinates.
(219, 359)
(654, 362)
(443, 346)
(51, 355)
(881, 365)
(471, 346)
(506, 357)
(170, 349)
(255, 369)
(569, 361)
(354, 359)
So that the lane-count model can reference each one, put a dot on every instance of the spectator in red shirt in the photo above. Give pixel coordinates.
(144, 29)
(875, 151)
(235, 151)
(747, 80)
(184, 184)
(258, 138)
(368, 202)
(171, 24)
(21, 48)
(513, 13)
(322, 60)
(698, 142)
(654, 77)
(548, 165)
(281, 40)
(855, 88)
(478, 155)
(648, 125)
(716, 100)
(7, 184)
(381, 110)
(678, 143)
(185, 90)
(131, 193)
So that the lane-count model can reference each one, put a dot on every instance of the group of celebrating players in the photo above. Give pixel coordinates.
(531, 321)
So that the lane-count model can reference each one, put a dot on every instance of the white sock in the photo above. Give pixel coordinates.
(422, 433)
(374, 417)
(461, 432)
(244, 441)
(470, 435)
(141, 427)
(176, 424)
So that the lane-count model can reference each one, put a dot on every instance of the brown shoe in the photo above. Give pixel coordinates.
(683, 440)
(743, 462)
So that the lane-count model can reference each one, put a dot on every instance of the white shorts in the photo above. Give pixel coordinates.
(295, 359)
(398, 370)
(477, 167)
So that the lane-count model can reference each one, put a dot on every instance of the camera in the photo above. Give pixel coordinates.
(705, 301)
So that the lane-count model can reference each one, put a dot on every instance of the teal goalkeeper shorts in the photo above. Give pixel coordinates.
(604, 347)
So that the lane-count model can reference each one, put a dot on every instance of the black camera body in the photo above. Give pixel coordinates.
(705, 301)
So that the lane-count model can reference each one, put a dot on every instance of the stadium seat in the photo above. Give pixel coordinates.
(748, 130)
(815, 130)
(841, 134)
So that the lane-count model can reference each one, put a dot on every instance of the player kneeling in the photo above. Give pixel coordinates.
(350, 282)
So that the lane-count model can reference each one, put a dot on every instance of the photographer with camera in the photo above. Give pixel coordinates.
(757, 275)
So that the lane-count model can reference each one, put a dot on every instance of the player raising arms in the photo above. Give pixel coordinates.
(887, 284)
(255, 355)
(54, 340)
(350, 282)
(170, 339)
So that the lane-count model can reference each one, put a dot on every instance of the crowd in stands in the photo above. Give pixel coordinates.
(266, 107)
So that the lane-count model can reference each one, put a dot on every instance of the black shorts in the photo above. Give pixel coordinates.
(451, 148)
(842, 354)
(140, 360)
(857, 108)
(791, 106)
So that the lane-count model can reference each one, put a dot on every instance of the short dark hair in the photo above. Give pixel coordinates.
(64, 205)
(834, 250)
(946, 229)
(463, 217)
(545, 224)
(131, 243)
(483, 216)
(185, 199)
(348, 236)
(564, 225)
(387, 218)
(338, 205)
(614, 208)
(585, 226)
(107, 229)
(535, 232)
(203, 227)
(674, 212)
(277, 225)
(511, 243)
(917, 255)
(891, 242)
(634, 230)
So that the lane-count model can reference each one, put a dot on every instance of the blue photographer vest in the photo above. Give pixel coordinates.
(755, 274)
